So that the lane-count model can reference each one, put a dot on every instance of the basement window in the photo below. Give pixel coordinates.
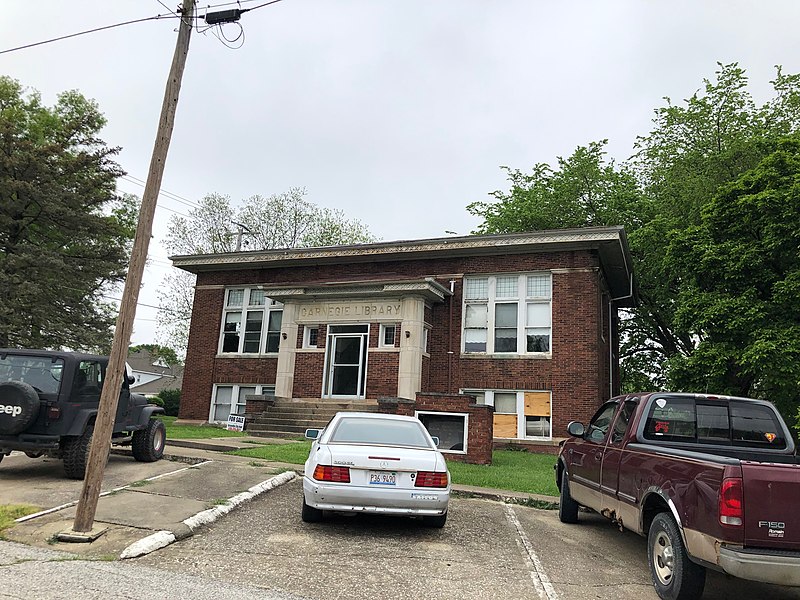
(450, 428)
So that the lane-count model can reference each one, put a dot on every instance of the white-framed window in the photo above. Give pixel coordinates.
(229, 399)
(527, 413)
(388, 335)
(507, 314)
(310, 336)
(251, 322)
(450, 428)
(426, 336)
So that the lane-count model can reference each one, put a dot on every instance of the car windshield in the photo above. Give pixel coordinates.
(384, 432)
(41, 372)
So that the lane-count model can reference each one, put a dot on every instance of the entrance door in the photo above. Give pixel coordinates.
(347, 361)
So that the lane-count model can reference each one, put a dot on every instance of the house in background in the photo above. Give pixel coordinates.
(526, 323)
(153, 375)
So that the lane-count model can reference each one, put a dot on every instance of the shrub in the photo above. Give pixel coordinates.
(172, 401)
(157, 401)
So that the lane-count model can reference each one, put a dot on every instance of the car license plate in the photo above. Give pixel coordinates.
(382, 478)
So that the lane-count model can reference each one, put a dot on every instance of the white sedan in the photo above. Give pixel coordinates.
(375, 463)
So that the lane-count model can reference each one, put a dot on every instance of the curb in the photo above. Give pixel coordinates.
(161, 539)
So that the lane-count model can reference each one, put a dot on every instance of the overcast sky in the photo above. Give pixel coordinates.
(397, 112)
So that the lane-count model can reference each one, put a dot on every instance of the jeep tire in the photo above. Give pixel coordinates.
(76, 453)
(148, 443)
(19, 407)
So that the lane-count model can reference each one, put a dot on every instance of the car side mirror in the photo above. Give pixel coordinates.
(312, 434)
(576, 429)
(435, 440)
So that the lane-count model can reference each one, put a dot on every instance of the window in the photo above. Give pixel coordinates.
(426, 335)
(310, 336)
(387, 336)
(600, 423)
(507, 314)
(450, 428)
(246, 311)
(231, 399)
(517, 414)
(358, 430)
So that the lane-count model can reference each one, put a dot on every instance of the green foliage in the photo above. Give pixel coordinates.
(171, 401)
(157, 401)
(741, 290)
(714, 312)
(11, 512)
(195, 432)
(64, 234)
(293, 453)
(166, 354)
(516, 471)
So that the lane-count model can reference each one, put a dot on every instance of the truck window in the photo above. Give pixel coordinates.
(671, 419)
(623, 420)
(600, 423)
(713, 424)
(755, 426)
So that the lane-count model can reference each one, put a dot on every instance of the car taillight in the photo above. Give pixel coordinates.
(329, 473)
(731, 502)
(433, 479)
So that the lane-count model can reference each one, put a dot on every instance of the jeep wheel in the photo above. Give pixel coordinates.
(34, 454)
(76, 453)
(148, 444)
(19, 407)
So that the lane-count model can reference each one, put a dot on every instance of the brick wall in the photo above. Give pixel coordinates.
(577, 373)
(480, 427)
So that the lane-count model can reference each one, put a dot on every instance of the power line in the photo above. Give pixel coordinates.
(72, 35)
(163, 192)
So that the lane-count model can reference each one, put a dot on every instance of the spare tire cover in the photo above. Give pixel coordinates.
(19, 407)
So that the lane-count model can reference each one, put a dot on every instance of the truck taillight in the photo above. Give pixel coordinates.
(334, 474)
(731, 502)
(434, 479)
(53, 413)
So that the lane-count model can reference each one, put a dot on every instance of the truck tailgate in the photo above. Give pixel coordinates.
(771, 498)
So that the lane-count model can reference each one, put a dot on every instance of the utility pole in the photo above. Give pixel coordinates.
(104, 424)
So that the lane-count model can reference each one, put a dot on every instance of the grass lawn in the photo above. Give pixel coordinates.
(195, 432)
(10, 512)
(510, 470)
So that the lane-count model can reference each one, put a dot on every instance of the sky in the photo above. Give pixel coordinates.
(399, 113)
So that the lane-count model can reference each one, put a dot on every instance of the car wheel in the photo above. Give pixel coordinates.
(437, 521)
(148, 444)
(675, 577)
(22, 403)
(34, 454)
(76, 453)
(567, 507)
(310, 514)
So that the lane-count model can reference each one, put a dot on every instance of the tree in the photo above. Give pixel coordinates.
(168, 355)
(694, 150)
(740, 296)
(285, 220)
(64, 234)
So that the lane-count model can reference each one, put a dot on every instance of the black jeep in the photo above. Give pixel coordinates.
(49, 402)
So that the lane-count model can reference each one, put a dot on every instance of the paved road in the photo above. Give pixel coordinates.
(487, 550)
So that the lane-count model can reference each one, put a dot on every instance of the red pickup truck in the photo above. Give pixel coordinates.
(711, 481)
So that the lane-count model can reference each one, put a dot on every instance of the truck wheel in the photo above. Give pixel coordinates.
(675, 577)
(310, 514)
(148, 443)
(21, 407)
(76, 453)
(567, 507)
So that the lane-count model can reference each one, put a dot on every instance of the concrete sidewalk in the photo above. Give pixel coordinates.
(146, 506)
(159, 502)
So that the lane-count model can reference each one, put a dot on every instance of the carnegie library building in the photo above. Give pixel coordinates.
(524, 323)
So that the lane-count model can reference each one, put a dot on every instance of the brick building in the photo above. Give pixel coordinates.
(524, 322)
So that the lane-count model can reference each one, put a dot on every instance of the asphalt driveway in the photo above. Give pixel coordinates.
(487, 550)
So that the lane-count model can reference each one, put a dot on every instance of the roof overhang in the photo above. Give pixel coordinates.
(610, 243)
